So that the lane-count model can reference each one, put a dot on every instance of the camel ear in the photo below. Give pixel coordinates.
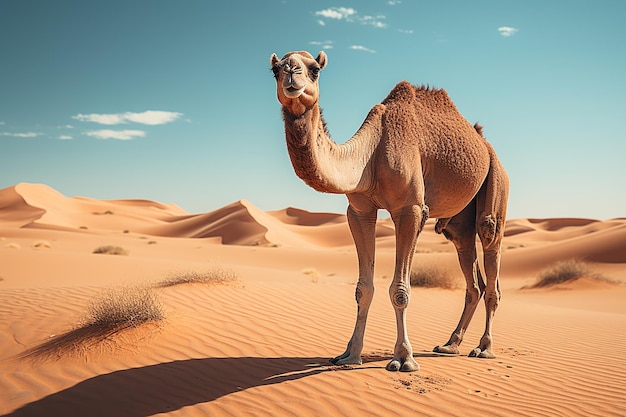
(274, 60)
(322, 59)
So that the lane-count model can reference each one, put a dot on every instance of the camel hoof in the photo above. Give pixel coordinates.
(487, 354)
(346, 360)
(393, 366)
(482, 354)
(396, 365)
(447, 350)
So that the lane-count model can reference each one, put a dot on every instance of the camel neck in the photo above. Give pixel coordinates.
(320, 162)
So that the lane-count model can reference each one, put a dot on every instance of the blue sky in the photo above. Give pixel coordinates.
(174, 101)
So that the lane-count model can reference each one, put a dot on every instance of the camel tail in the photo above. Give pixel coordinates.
(492, 200)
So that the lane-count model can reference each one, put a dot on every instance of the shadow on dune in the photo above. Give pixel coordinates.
(170, 386)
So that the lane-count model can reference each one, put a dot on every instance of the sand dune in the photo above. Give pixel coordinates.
(259, 346)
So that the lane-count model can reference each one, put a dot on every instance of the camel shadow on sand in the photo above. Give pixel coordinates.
(170, 386)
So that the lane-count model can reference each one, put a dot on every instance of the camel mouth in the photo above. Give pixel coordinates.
(292, 92)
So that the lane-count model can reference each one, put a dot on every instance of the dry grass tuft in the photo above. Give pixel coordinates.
(313, 273)
(113, 312)
(42, 244)
(124, 308)
(566, 271)
(216, 275)
(430, 276)
(111, 250)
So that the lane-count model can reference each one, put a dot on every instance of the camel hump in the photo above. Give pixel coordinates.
(403, 91)
(434, 99)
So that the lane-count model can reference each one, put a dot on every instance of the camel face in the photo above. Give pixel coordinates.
(296, 79)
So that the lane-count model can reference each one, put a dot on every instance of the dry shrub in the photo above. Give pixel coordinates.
(114, 311)
(565, 271)
(313, 273)
(111, 250)
(217, 275)
(124, 308)
(430, 276)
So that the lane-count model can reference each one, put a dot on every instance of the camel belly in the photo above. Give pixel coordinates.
(449, 189)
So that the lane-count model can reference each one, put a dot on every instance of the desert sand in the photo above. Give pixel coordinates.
(259, 345)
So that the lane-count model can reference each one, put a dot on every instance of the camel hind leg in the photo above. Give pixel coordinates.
(461, 230)
(491, 238)
(484, 216)
(491, 204)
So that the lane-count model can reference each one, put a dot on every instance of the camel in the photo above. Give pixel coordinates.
(416, 157)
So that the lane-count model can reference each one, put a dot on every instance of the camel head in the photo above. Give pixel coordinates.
(296, 79)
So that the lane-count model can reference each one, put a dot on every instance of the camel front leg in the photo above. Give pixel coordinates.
(409, 222)
(363, 228)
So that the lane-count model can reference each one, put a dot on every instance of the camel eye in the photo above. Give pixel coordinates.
(314, 72)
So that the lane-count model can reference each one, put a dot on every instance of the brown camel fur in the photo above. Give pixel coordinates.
(414, 156)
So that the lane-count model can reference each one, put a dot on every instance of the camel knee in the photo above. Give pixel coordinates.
(492, 300)
(487, 229)
(473, 295)
(363, 294)
(400, 296)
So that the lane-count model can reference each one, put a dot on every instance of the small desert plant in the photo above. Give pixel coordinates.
(42, 244)
(430, 276)
(565, 271)
(114, 311)
(217, 275)
(313, 273)
(118, 309)
(111, 250)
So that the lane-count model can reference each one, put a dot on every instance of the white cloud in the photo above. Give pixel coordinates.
(150, 117)
(103, 119)
(406, 31)
(2, 123)
(65, 137)
(362, 48)
(323, 45)
(507, 31)
(116, 134)
(337, 13)
(349, 14)
(21, 135)
(376, 21)
(393, 2)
